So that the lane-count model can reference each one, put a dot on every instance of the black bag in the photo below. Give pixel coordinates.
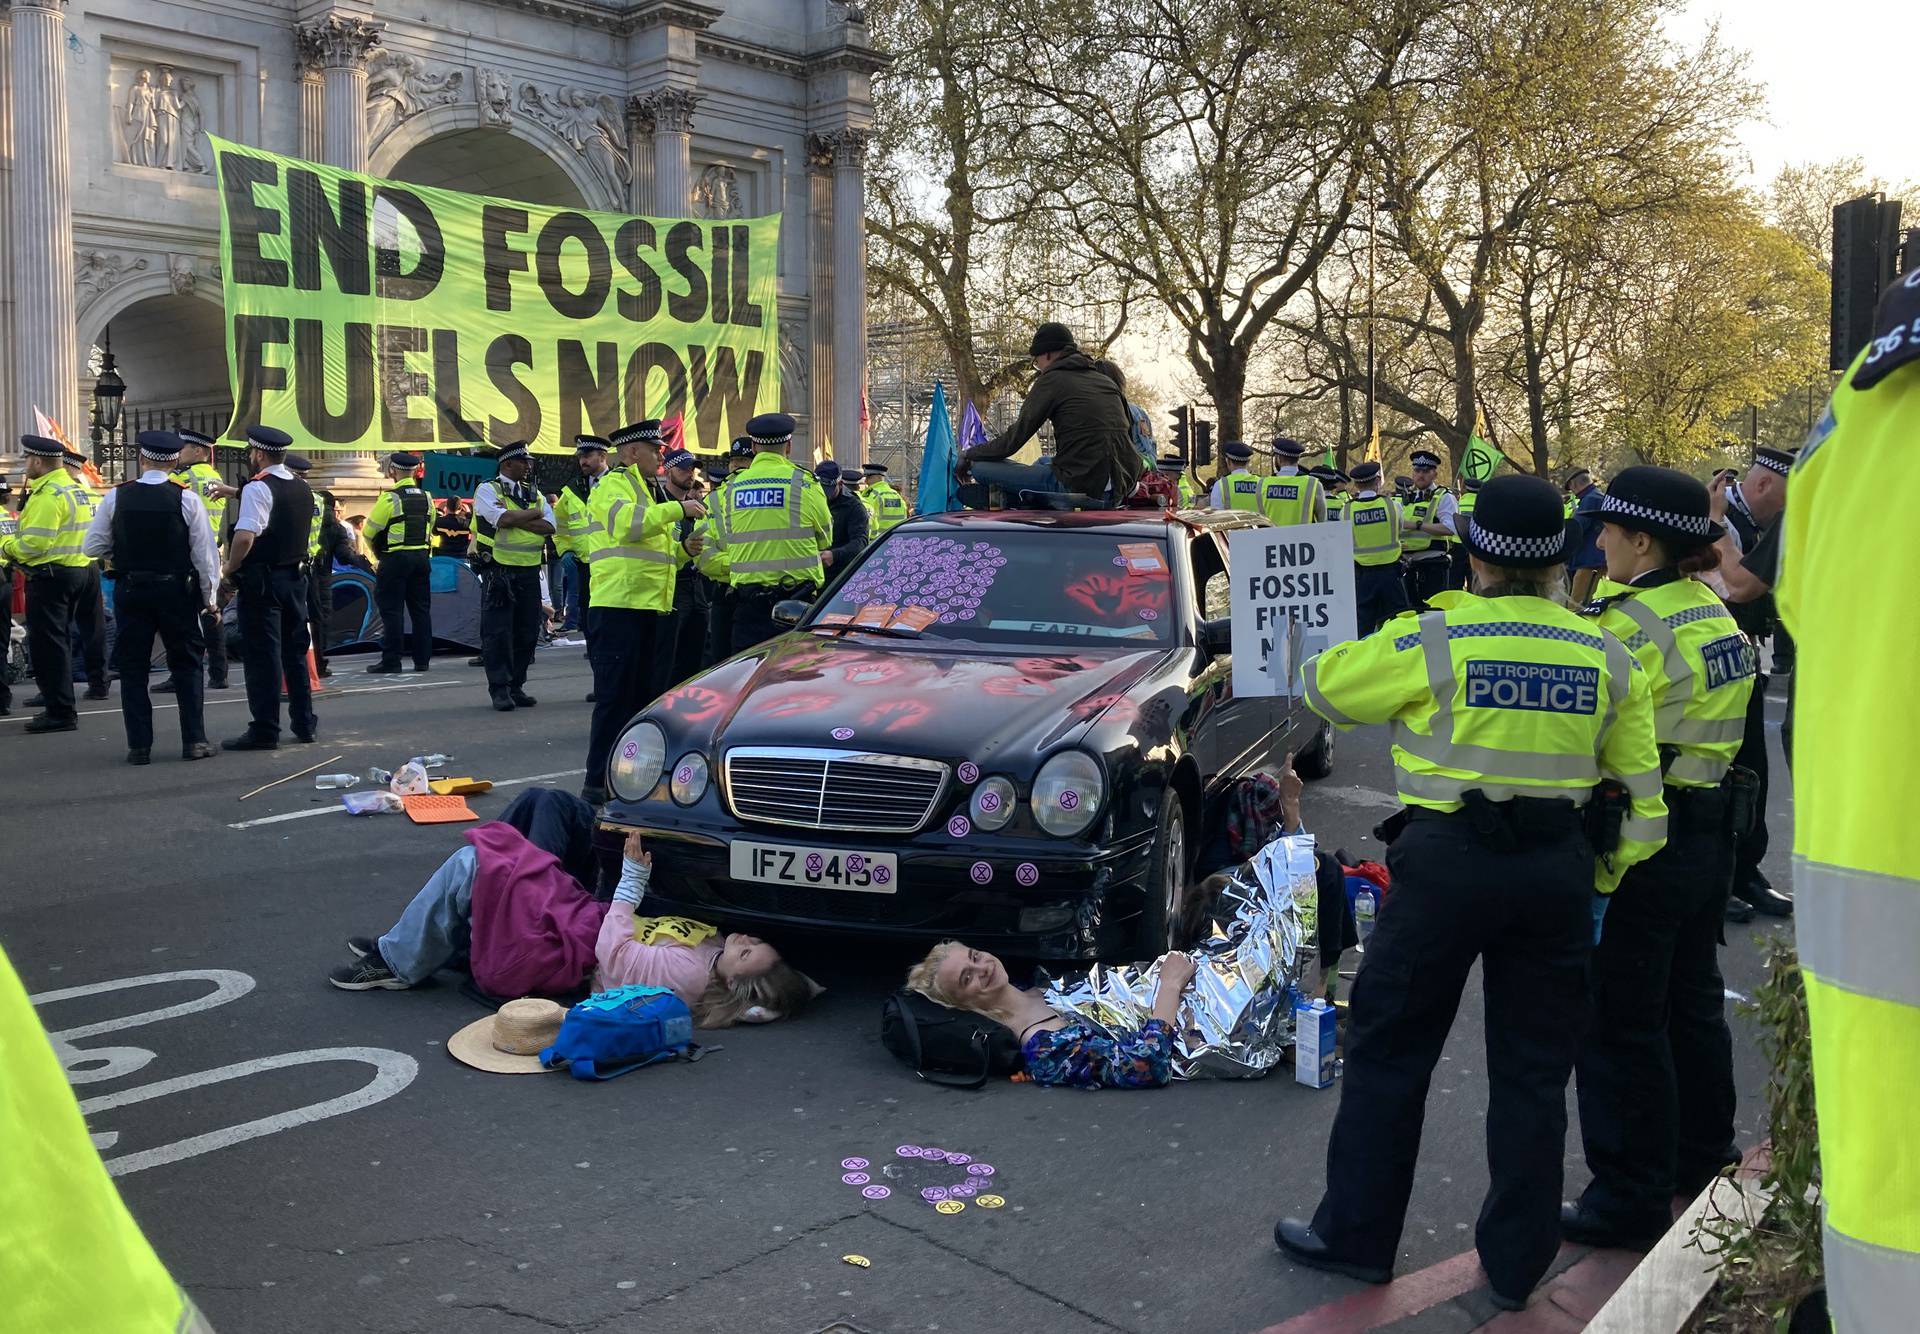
(946, 1046)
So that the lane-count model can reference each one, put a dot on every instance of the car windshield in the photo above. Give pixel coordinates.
(1015, 586)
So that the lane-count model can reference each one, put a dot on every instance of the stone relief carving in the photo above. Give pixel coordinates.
(849, 11)
(338, 41)
(162, 120)
(591, 124)
(669, 109)
(495, 96)
(400, 87)
(94, 271)
(793, 366)
(183, 273)
(848, 146)
(718, 193)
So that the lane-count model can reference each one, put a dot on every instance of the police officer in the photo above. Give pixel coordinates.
(1239, 489)
(1509, 714)
(166, 575)
(9, 525)
(1656, 1071)
(45, 544)
(633, 589)
(1457, 551)
(399, 528)
(684, 636)
(511, 524)
(1174, 466)
(300, 465)
(196, 471)
(263, 566)
(886, 507)
(1426, 526)
(1379, 591)
(771, 524)
(1291, 496)
(1335, 483)
(849, 518)
(90, 608)
(712, 560)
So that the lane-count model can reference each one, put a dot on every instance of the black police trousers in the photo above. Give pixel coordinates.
(1379, 594)
(1524, 911)
(720, 605)
(404, 582)
(168, 606)
(683, 635)
(753, 621)
(1753, 755)
(1426, 575)
(90, 624)
(273, 637)
(53, 596)
(624, 644)
(510, 613)
(1656, 1071)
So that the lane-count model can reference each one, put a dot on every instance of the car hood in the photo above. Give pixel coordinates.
(905, 699)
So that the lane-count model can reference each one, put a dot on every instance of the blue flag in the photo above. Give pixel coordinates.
(973, 431)
(938, 494)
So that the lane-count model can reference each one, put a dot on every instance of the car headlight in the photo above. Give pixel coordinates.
(1067, 793)
(638, 757)
(992, 804)
(689, 782)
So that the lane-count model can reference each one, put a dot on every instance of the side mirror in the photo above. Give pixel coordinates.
(1216, 636)
(789, 611)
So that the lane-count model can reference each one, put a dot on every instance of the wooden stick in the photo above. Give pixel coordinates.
(290, 777)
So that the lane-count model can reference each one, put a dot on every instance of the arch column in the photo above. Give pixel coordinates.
(671, 111)
(40, 221)
(849, 292)
(313, 95)
(820, 386)
(9, 445)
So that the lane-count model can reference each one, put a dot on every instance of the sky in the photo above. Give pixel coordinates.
(1832, 77)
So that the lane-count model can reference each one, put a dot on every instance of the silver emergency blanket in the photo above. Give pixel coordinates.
(1256, 956)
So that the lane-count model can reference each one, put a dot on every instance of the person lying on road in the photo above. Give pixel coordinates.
(1058, 1050)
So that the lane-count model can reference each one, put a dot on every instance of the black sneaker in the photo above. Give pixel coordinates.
(503, 703)
(593, 796)
(139, 755)
(593, 697)
(250, 741)
(363, 946)
(46, 722)
(368, 974)
(522, 700)
(199, 750)
(383, 669)
(166, 687)
(97, 692)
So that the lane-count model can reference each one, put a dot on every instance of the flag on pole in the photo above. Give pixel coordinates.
(1480, 460)
(672, 431)
(973, 431)
(938, 491)
(47, 426)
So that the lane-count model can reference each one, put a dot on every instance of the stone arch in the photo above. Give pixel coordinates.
(98, 313)
(443, 121)
(170, 346)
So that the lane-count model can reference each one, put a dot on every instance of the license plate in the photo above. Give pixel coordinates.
(818, 868)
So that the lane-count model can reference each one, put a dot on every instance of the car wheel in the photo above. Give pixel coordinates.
(1166, 880)
(1317, 760)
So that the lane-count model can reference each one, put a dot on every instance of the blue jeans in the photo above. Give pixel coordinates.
(437, 927)
(1014, 478)
(573, 615)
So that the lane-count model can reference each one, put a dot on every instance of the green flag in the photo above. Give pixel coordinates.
(1480, 459)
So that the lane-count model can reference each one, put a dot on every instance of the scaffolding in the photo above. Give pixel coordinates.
(904, 360)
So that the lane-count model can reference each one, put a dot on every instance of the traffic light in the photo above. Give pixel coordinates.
(1182, 429)
(1202, 443)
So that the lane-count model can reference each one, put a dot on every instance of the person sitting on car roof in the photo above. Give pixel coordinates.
(1058, 1050)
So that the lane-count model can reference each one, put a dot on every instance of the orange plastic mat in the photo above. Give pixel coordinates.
(423, 808)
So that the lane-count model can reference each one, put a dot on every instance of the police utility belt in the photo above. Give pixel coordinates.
(771, 593)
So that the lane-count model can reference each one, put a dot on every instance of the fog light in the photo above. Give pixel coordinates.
(1052, 917)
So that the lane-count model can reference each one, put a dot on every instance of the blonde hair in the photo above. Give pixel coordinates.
(924, 977)
(782, 992)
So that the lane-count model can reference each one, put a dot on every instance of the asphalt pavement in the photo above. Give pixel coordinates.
(306, 1159)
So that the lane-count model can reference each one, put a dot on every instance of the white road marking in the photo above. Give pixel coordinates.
(238, 695)
(341, 810)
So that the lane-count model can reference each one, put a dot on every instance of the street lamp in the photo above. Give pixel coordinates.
(109, 389)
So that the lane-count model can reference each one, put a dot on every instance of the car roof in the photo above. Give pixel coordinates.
(1121, 523)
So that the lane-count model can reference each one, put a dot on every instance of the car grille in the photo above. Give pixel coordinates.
(833, 789)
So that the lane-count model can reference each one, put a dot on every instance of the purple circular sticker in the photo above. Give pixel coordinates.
(1027, 874)
(981, 873)
(853, 1164)
(843, 734)
(934, 1155)
(934, 1193)
(966, 1190)
(876, 1192)
(629, 750)
(882, 876)
(855, 1178)
(979, 1169)
(684, 774)
(969, 772)
(1121, 561)
(959, 827)
(1149, 614)
(989, 802)
(855, 863)
(957, 1159)
(908, 1150)
(814, 863)
(1069, 800)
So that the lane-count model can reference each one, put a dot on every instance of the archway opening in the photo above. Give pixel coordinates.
(489, 162)
(172, 352)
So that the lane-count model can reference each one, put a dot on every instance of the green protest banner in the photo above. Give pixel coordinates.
(371, 314)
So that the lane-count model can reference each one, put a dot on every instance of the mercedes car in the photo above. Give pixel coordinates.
(1013, 727)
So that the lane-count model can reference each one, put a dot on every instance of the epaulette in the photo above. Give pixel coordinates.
(1598, 607)
(1893, 343)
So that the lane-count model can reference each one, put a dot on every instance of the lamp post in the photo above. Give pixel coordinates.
(109, 391)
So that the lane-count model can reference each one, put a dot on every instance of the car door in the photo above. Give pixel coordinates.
(1236, 735)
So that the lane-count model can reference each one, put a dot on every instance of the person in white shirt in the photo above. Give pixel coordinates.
(266, 567)
(511, 524)
(1427, 529)
(166, 572)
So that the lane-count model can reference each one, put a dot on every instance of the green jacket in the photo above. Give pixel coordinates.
(1092, 433)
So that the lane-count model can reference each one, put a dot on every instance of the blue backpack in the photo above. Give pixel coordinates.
(612, 1032)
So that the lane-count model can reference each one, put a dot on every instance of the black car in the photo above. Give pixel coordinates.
(1013, 727)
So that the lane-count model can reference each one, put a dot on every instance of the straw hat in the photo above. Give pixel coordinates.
(510, 1041)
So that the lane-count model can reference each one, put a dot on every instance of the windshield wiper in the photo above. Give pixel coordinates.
(890, 631)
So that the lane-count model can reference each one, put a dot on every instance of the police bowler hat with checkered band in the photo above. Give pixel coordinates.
(1667, 504)
(1519, 521)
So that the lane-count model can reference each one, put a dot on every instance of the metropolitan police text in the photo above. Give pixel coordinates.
(599, 389)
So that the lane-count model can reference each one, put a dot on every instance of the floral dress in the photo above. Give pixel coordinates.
(1082, 1056)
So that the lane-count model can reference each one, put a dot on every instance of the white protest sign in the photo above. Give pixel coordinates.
(1292, 598)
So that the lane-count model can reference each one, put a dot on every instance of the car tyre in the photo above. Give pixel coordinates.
(1317, 760)
(1172, 858)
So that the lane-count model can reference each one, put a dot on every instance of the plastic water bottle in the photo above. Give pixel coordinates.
(433, 761)
(1365, 909)
(379, 777)
(336, 780)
